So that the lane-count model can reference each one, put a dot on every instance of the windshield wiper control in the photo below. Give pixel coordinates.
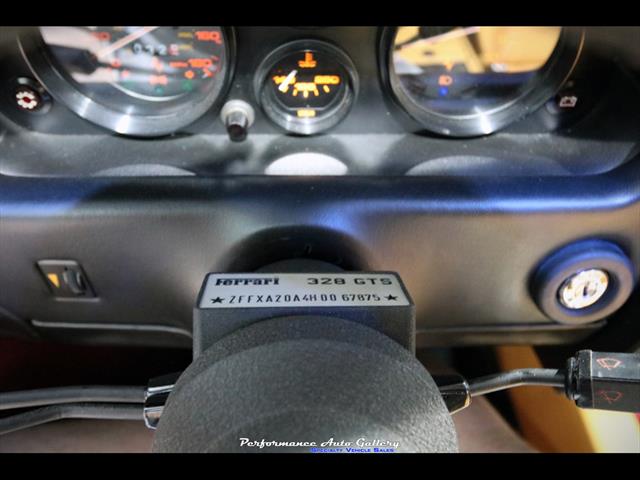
(597, 380)
(606, 381)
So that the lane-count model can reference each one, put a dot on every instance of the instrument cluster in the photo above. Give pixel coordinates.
(425, 84)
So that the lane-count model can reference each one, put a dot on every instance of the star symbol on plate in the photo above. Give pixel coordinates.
(217, 300)
(391, 297)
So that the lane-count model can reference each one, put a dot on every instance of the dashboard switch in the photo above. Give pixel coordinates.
(605, 381)
(237, 117)
(66, 279)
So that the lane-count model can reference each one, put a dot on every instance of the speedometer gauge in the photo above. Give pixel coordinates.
(133, 80)
(307, 86)
(464, 81)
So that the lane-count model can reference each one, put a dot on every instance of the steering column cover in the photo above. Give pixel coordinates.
(304, 379)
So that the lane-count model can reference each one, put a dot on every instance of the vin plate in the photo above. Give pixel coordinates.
(260, 290)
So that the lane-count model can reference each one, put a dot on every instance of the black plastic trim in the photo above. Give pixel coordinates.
(464, 246)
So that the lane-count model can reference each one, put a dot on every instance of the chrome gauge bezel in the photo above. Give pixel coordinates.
(168, 120)
(549, 80)
(289, 122)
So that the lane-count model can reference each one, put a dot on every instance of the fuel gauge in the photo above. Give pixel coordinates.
(307, 86)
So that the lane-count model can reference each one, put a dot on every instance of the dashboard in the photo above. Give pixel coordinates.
(466, 155)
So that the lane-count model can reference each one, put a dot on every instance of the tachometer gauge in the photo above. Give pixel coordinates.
(133, 80)
(306, 87)
(464, 81)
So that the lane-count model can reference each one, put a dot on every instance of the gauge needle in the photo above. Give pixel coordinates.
(285, 83)
(124, 41)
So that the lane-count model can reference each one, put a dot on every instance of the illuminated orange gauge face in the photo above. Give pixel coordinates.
(152, 64)
(307, 84)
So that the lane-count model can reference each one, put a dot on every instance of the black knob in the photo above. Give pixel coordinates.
(237, 124)
(237, 117)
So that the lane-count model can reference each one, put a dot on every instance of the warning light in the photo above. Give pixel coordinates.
(568, 101)
(189, 74)
(28, 99)
(53, 278)
(445, 80)
(116, 63)
(178, 64)
(308, 61)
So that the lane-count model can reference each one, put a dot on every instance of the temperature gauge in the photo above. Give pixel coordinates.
(306, 87)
